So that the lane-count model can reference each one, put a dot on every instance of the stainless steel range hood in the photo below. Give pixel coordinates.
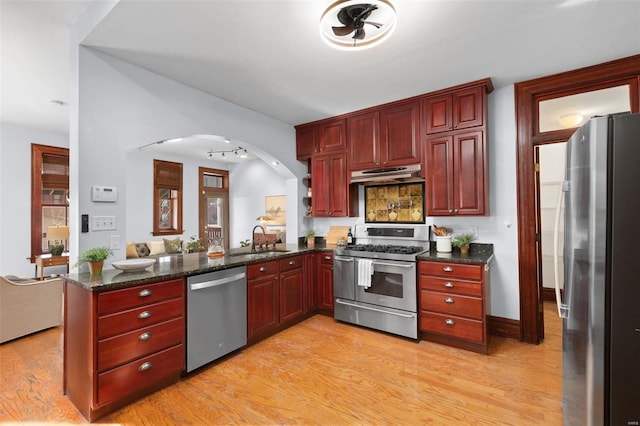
(391, 174)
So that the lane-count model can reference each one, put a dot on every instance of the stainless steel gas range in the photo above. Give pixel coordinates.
(374, 281)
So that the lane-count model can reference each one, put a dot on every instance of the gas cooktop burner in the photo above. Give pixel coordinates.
(386, 248)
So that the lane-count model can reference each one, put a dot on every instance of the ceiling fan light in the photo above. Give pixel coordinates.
(378, 26)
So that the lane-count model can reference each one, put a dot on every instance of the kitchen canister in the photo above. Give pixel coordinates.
(443, 244)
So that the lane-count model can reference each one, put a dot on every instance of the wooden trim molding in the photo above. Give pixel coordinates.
(503, 327)
(527, 95)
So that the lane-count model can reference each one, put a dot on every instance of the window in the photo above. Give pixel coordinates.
(167, 198)
(49, 193)
(214, 205)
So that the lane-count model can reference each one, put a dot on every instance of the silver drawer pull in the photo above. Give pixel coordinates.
(447, 269)
(449, 300)
(144, 293)
(144, 314)
(144, 367)
(262, 269)
(292, 262)
(327, 258)
(449, 322)
(449, 284)
(144, 336)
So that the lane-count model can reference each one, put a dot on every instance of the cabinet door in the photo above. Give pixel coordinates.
(262, 305)
(332, 135)
(467, 108)
(364, 140)
(438, 114)
(306, 141)
(469, 174)
(439, 176)
(399, 128)
(338, 187)
(309, 282)
(325, 282)
(321, 177)
(291, 294)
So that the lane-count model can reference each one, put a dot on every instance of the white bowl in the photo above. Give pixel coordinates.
(133, 264)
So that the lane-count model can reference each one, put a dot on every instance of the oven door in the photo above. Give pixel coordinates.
(393, 284)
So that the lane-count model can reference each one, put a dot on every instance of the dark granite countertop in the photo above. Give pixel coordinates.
(179, 266)
(478, 254)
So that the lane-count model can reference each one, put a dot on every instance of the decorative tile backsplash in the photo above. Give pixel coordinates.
(401, 203)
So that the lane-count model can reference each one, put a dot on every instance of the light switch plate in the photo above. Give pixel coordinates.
(103, 223)
(115, 242)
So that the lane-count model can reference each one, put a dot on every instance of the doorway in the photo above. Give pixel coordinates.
(529, 95)
(213, 217)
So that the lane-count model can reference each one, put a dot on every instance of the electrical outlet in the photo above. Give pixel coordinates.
(474, 231)
(115, 242)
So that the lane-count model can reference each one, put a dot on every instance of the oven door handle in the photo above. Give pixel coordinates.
(343, 259)
(401, 265)
(342, 302)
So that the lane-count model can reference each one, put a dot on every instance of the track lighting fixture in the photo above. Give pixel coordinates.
(238, 152)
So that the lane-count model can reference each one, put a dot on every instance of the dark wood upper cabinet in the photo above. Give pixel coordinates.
(363, 137)
(306, 141)
(400, 134)
(456, 174)
(332, 135)
(385, 138)
(331, 193)
(461, 109)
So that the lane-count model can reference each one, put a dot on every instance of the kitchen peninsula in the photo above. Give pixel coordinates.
(125, 332)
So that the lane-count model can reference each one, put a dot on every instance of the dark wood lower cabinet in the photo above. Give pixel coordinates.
(275, 296)
(120, 345)
(324, 283)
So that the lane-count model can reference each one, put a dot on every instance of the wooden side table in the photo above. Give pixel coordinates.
(46, 260)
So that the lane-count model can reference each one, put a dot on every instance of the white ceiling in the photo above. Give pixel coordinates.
(267, 55)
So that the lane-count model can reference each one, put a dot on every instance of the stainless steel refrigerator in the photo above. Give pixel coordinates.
(601, 301)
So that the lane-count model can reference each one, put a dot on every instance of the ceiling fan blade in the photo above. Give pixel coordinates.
(342, 31)
(366, 12)
(344, 17)
(375, 24)
(359, 35)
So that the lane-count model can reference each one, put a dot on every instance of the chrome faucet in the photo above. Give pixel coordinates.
(253, 236)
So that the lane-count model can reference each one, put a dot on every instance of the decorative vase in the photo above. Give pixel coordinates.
(95, 268)
(56, 249)
(464, 249)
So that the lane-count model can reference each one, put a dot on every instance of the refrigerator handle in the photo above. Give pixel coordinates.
(563, 309)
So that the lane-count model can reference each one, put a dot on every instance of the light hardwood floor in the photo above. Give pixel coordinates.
(317, 372)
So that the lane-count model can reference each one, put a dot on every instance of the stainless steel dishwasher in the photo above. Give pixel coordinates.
(216, 315)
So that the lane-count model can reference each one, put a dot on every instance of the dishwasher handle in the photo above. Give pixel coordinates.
(215, 283)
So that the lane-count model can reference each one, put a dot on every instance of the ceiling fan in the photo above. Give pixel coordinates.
(353, 18)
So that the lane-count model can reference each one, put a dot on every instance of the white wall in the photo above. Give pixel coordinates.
(15, 196)
(123, 107)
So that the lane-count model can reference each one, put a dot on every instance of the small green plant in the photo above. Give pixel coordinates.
(95, 254)
(464, 239)
(245, 243)
(310, 234)
(194, 244)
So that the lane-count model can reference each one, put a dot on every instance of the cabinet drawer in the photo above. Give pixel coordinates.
(451, 325)
(290, 263)
(262, 269)
(144, 341)
(457, 270)
(452, 304)
(326, 258)
(136, 375)
(452, 286)
(119, 300)
(142, 316)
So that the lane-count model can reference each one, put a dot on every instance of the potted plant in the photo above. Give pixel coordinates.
(193, 245)
(56, 248)
(95, 258)
(462, 241)
(311, 238)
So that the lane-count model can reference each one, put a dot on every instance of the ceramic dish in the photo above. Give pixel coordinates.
(133, 264)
